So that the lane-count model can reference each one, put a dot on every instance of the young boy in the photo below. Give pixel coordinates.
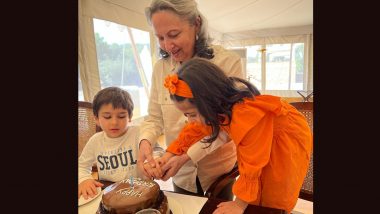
(115, 148)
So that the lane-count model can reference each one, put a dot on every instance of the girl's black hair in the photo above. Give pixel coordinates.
(214, 93)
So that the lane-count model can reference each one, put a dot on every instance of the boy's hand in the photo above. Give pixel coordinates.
(88, 188)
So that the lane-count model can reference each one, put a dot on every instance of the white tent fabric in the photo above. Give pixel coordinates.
(226, 16)
(290, 32)
(276, 21)
(118, 11)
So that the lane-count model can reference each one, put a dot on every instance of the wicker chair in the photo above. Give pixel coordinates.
(306, 193)
(86, 126)
(221, 183)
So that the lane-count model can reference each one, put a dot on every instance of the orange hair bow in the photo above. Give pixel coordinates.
(177, 86)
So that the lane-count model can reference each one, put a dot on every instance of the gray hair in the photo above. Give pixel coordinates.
(186, 10)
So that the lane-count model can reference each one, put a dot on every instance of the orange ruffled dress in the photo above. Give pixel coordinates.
(273, 142)
(190, 134)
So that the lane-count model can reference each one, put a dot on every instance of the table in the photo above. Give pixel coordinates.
(90, 207)
(211, 204)
(189, 204)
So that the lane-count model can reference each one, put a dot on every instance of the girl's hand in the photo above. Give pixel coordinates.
(174, 163)
(165, 158)
(232, 207)
(88, 188)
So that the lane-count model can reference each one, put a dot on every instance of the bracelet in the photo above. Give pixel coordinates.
(158, 152)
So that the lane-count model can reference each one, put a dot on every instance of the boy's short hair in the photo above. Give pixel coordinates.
(118, 97)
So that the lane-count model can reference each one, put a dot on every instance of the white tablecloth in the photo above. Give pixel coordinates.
(303, 207)
(189, 204)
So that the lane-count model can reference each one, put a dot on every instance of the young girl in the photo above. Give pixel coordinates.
(273, 140)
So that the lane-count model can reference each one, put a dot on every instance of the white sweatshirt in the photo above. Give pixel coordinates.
(116, 158)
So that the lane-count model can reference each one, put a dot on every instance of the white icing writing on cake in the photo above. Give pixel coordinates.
(139, 182)
(129, 192)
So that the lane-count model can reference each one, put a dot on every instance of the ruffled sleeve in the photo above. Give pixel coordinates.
(190, 134)
(253, 154)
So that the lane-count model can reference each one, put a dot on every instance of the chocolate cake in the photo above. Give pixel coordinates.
(121, 197)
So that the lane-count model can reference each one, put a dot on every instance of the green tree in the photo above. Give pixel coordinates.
(110, 59)
(299, 57)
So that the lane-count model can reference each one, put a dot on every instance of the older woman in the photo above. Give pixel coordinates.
(181, 31)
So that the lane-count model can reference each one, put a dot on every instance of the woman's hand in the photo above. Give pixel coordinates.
(145, 155)
(172, 166)
(234, 207)
(153, 171)
(88, 188)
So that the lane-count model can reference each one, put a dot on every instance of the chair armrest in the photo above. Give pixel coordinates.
(221, 182)
(306, 195)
